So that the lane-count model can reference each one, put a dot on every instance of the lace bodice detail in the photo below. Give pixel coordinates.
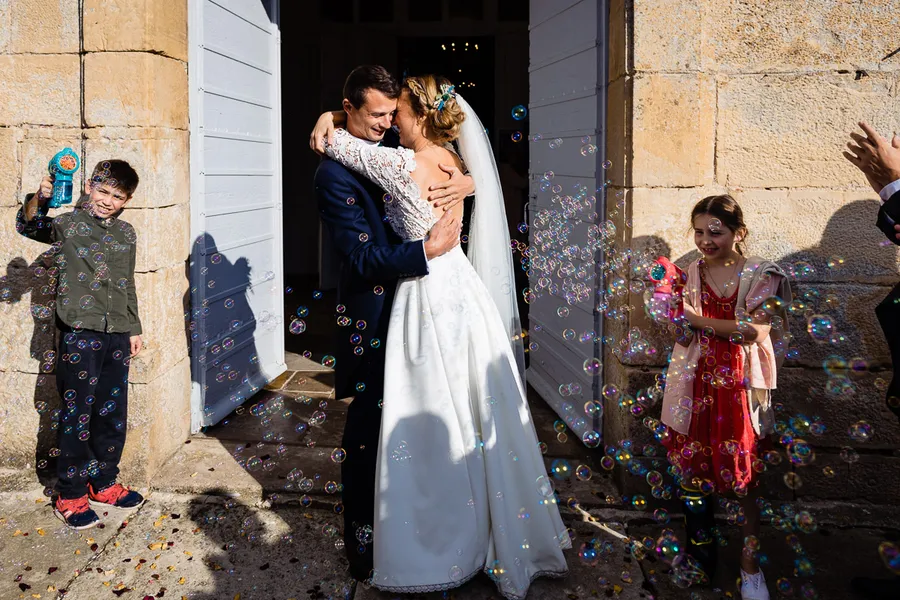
(408, 213)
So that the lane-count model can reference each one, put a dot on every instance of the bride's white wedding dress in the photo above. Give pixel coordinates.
(461, 484)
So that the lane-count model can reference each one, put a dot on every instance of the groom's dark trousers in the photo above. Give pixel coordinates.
(888, 312)
(373, 258)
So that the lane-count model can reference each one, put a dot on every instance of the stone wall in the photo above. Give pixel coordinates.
(108, 79)
(756, 98)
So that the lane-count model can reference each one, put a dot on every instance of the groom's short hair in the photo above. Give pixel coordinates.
(369, 77)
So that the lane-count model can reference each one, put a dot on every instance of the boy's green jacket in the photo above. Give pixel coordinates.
(96, 259)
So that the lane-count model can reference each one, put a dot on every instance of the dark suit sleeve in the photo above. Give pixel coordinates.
(352, 235)
(888, 216)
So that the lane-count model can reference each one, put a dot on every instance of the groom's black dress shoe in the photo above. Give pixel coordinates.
(877, 589)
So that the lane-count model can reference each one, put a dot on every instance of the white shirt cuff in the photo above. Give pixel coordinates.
(889, 190)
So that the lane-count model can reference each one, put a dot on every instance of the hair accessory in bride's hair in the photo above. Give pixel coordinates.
(447, 92)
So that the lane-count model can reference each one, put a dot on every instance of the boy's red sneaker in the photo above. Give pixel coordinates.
(115, 495)
(76, 512)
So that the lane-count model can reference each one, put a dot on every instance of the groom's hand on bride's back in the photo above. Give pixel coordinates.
(444, 236)
(448, 194)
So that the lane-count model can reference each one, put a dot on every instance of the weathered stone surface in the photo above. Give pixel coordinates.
(789, 130)
(38, 146)
(803, 391)
(853, 316)
(661, 218)
(26, 400)
(4, 26)
(673, 130)
(163, 235)
(9, 176)
(161, 302)
(154, 94)
(659, 44)
(158, 423)
(41, 27)
(836, 225)
(872, 479)
(760, 36)
(171, 401)
(40, 89)
(145, 25)
(160, 157)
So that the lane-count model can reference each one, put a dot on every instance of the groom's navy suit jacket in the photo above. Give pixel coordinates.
(888, 312)
(373, 258)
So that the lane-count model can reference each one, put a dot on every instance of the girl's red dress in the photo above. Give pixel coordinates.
(719, 451)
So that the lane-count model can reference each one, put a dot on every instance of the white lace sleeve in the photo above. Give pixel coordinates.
(390, 168)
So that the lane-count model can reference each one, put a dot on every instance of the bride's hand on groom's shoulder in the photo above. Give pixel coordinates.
(324, 130)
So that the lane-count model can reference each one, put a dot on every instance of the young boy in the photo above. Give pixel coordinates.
(97, 315)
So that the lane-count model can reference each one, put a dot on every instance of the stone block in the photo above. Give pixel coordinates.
(803, 391)
(146, 26)
(759, 36)
(9, 175)
(38, 146)
(660, 45)
(852, 312)
(160, 157)
(162, 297)
(172, 403)
(661, 219)
(40, 90)
(158, 423)
(673, 130)
(41, 27)
(788, 130)
(873, 479)
(155, 94)
(4, 26)
(837, 227)
(163, 236)
(26, 400)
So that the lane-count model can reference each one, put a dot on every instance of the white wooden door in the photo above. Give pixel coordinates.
(567, 77)
(236, 273)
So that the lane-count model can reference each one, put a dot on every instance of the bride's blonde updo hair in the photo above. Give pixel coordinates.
(442, 123)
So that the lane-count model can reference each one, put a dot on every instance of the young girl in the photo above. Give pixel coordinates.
(717, 401)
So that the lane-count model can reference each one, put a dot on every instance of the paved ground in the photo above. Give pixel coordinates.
(248, 510)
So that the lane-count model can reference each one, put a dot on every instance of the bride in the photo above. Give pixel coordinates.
(461, 486)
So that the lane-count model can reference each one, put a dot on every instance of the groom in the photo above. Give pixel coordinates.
(373, 259)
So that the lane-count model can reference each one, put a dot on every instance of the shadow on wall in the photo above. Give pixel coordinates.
(220, 330)
(23, 278)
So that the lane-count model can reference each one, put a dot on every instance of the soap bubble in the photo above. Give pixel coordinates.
(519, 112)
(860, 431)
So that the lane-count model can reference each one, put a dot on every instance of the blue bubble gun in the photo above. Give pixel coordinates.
(62, 167)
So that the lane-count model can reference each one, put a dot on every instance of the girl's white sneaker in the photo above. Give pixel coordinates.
(753, 587)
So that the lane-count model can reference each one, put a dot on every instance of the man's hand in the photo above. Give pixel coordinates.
(875, 157)
(136, 345)
(323, 130)
(443, 237)
(453, 191)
